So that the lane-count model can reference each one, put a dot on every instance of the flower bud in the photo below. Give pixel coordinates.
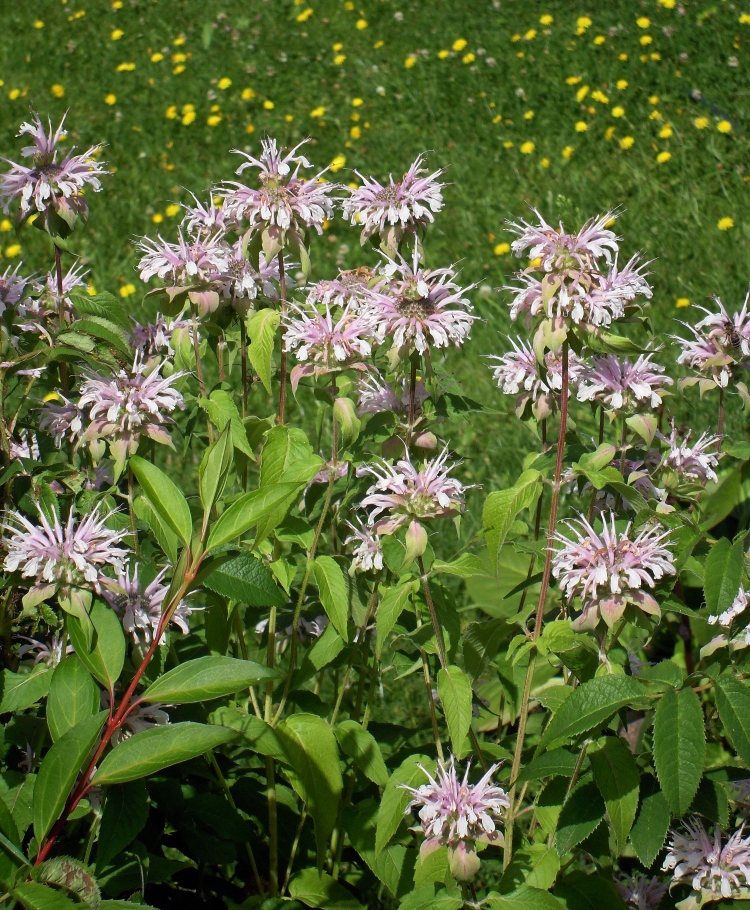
(463, 861)
(416, 542)
(426, 441)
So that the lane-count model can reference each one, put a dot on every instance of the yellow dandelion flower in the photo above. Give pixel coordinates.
(179, 58)
(723, 224)
(224, 83)
(526, 148)
(410, 61)
(583, 22)
(13, 250)
(305, 14)
(724, 126)
(14, 93)
(6, 225)
(469, 58)
(110, 98)
(187, 107)
(57, 90)
(665, 132)
(317, 112)
(339, 59)
(268, 105)
(546, 19)
(250, 128)
(338, 162)
(126, 67)
(745, 19)
(656, 56)
(682, 302)
(355, 132)
(357, 102)
(643, 22)
(667, 4)
(157, 57)
(663, 157)
(545, 162)
(535, 262)
(443, 54)
(600, 97)
(460, 44)
(581, 126)
(157, 218)
(582, 92)
(127, 290)
(91, 290)
(171, 112)
(188, 118)
(378, 44)
(654, 115)
(529, 115)
(515, 38)
(247, 94)
(501, 249)
(38, 24)
(173, 209)
(180, 68)
(627, 142)
(179, 40)
(338, 46)
(700, 123)
(623, 57)
(600, 39)
(288, 118)
(361, 24)
(646, 39)
(507, 144)
(654, 99)
(622, 84)
(214, 120)
(117, 33)
(609, 133)
(618, 111)
(530, 34)
(573, 80)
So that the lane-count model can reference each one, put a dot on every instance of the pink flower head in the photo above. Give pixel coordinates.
(559, 250)
(453, 811)
(47, 651)
(13, 288)
(731, 333)
(691, 464)
(612, 561)
(708, 864)
(140, 608)
(420, 308)
(368, 552)
(128, 406)
(408, 494)
(186, 263)
(619, 385)
(156, 337)
(400, 207)
(703, 354)
(640, 891)
(203, 219)
(351, 287)
(58, 557)
(326, 343)
(376, 396)
(63, 421)
(284, 201)
(49, 183)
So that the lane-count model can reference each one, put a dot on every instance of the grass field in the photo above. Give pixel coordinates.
(570, 107)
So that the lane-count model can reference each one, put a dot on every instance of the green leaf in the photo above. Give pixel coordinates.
(104, 305)
(393, 601)
(557, 763)
(394, 865)
(59, 770)
(362, 746)
(246, 580)
(454, 690)
(222, 412)
(645, 425)
(582, 813)
(723, 574)
(618, 780)
(318, 889)
(466, 566)
(679, 747)
(733, 702)
(125, 813)
(587, 891)
(261, 330)
(165, 497)
(313, 756)
(165, 536)
(396, 798)
(22, 690)
(106, 331)
(105, 659)
(523, 898)
(150, 751)
(258, 735)
(73, 696)
(33, 896)
(214, 470)
(432, 897)
(591, 705)
(650, 829)
(248, 510)
(502, 507)
(536, 866)
(333, 593)
(206, 678)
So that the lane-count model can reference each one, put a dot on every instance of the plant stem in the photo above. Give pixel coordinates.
(61, 314)
(433, 614)
(273, 828)
(720, 426)
(413, 390)
(131, 512)
(428, 686)
(243, 366)
(293, 852)
(360, 640)
(199, 373)
(539, 618)
(282, 371)
(239, 629)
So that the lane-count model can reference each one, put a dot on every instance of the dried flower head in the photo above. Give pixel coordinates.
(612, 561)
(397, 208)
(640, 891)
(49, 183)
(619, 385)
(409, 494)
(709, 864)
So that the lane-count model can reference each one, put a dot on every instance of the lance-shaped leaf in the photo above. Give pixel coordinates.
(22, 690)
(59, 770)
(333, 593)
(318, 889)
(150, 751)
(35, 896)
(582, 813)
(106, 657)
(73, 696)
(618, 780)
(125, 813)
(247, 580)
(214, 469)
(650, 829)
(723, 574)
(165, 497)
(679, 747)
(733, 702)
(396, 798)
(454, 690)
(205, 678)
(502, 507)
(248, 510)
(261, 329)
(362, 746)
(393, 601)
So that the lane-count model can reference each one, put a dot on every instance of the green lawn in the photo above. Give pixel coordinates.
(573, 115)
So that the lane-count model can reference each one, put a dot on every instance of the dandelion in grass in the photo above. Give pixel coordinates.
(611, 562)
(420, 308)
(621, 386)
(59, 557)
(403, 493)
(140, 608)
(641, 892)
(367, 548)
(398, 208)
(49, 183)
(709, 864)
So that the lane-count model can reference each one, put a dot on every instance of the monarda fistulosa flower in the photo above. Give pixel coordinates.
(613, 563)
(50, 187)
(367, 548)
(641, 892)
(621, 386)
(709, 864)
(397, 209)
(352, 287)
(685, 469)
